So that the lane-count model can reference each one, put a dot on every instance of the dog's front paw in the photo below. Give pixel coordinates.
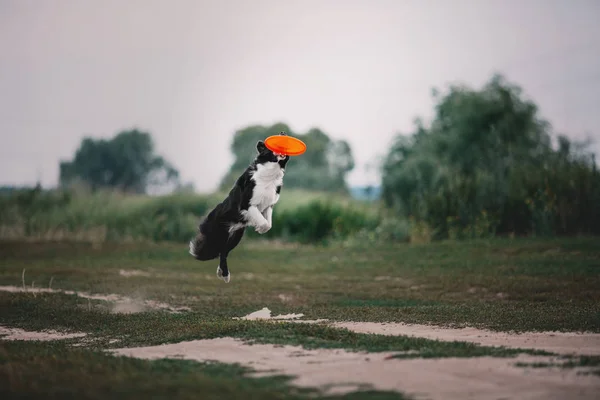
(263, 228)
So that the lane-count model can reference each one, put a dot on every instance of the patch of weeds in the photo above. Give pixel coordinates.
(571, 362)
(595, 372)
(54, 371)
(583, 361)
(536, 364)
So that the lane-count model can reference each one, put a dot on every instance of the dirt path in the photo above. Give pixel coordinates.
(119, 304)
(555, 342)
(7, 333)
(339, 371)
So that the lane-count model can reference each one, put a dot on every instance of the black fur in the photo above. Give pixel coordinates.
(214, 239)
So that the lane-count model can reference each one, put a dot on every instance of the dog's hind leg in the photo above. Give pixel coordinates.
(223, 268)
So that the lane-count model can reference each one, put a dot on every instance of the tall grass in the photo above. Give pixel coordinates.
(301, 216)
(101, 216)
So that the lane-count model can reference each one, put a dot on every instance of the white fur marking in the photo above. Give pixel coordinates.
(266, 177)
(235, 227)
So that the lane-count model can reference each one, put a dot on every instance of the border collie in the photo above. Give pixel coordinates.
(249, 203)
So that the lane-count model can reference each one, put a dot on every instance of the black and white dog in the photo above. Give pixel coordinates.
(249, 203)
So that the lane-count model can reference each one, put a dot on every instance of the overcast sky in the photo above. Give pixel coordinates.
(192, 72)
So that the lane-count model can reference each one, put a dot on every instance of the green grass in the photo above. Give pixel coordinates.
(520, 285)
(398, 303)
(525, 284)
(55, 371)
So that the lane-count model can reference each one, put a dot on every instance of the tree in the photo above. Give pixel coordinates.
(486, 164)
(323, 167)
(340, 159)
(126, 162)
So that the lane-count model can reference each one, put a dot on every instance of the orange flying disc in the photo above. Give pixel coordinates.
(287, 145)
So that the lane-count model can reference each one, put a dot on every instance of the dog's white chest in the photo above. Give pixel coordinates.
(267, 178)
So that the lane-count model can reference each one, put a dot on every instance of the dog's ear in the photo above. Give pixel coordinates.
(260, 146)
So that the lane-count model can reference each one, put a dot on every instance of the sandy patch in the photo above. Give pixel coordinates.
(128, 307)
(20, 334)
(565, 343)
(285, 297)
(339, 371)
(121, 304)
(265, 313)
(555, 342)
(132, 272)
(402, 281)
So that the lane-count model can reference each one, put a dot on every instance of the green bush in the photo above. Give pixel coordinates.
(485, 165)
(319, 222)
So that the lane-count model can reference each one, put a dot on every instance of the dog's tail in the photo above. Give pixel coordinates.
(196, 245)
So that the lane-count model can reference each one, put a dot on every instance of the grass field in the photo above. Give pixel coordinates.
(500, 285)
